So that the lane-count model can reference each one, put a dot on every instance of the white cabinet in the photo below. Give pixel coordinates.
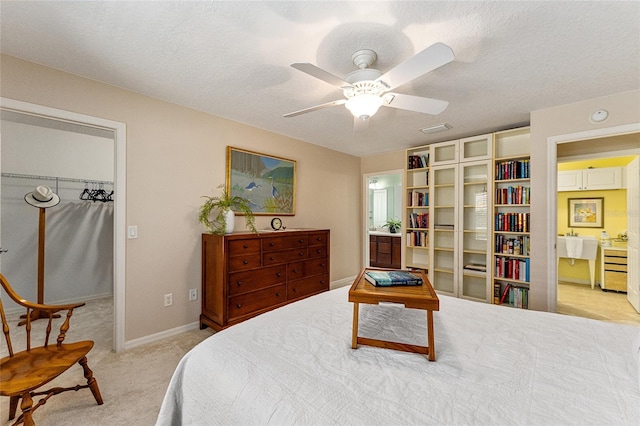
(462, 150)
(590, 179)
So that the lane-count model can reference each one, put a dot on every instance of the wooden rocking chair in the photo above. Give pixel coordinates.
(22, 374)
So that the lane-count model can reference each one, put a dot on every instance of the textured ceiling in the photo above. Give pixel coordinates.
(231, 58)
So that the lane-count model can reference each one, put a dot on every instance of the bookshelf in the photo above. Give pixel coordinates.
(417, 209)
(511, 217)
(451, 194)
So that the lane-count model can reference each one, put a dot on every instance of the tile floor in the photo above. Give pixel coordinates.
(580, 300)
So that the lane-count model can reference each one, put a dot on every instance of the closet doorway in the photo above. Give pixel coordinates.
(78, 157)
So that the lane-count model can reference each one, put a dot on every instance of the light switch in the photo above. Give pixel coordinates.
(132, 232)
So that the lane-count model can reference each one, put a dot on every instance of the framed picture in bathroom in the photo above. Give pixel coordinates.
(586, 212)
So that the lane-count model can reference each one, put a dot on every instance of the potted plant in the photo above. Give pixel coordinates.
(394, 225)
(225, 217)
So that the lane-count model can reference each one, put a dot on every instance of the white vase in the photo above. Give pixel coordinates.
(230, 219)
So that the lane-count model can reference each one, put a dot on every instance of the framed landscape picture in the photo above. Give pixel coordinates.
(267, 181)
(586, 212)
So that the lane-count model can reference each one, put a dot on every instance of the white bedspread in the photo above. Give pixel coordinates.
(495, 365)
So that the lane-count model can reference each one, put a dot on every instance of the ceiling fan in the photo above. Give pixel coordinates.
(367, 89)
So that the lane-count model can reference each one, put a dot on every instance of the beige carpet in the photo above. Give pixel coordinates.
(132, 383)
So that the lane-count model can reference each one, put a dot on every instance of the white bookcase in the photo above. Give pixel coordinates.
(511, 266)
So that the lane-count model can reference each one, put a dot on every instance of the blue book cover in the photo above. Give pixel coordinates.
(389, 278)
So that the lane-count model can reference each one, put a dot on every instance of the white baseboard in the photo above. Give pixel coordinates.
(341, 283)
(130, 344)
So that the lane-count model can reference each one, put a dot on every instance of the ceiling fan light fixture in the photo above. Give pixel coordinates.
(434, 129)
(364, 105)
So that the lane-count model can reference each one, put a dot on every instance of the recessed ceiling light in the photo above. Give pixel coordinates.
(433, 129)
(599, 116)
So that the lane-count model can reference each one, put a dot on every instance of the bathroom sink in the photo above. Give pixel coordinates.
(589, 247)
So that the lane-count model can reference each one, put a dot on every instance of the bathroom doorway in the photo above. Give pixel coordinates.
(382, 202)
(574, 293)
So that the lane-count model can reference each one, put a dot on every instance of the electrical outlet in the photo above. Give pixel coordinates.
(193, 294)
(168, 299)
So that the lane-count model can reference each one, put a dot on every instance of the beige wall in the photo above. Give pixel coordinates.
(174, 156)
(624, 108)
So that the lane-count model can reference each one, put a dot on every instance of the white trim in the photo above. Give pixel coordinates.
(120, 158)
(341, 283)
(151, 338)
(552, 199)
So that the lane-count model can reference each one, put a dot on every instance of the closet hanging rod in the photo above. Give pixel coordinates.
(63, 179)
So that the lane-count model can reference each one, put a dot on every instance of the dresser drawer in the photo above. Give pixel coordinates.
(318, 238)
(240, 263)
(615, 267)
(318, 251)
(242, 282)
(239, 247)
(307, 286)
(245, 304)
(615, 280)
(283, 243)
(298, 270)
(284, 256)
(615, 259)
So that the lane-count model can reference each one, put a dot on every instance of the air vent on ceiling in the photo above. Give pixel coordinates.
(434, 129)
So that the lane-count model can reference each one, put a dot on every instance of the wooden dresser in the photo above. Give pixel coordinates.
(244, 274)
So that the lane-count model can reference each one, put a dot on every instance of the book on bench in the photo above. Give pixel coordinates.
(389, 278)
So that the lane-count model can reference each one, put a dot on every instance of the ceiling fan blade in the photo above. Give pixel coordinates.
(323, 75)
(421, 63)
(317, 107)
(415, 103)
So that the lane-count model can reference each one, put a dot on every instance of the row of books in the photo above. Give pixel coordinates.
(417, 198)
(517, 297)
(512, 222)
(419, 220)
(512, 245)
(392, 278)
(417, 239)
(513, 169)
(512, 269)
(513, 195)
(418, 161)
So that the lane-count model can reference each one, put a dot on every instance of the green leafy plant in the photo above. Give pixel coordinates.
(221, 204)
(394, 225)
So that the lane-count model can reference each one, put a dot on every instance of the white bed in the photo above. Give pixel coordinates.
(495, 365)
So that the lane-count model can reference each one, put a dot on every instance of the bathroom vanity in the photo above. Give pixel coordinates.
(384, 249)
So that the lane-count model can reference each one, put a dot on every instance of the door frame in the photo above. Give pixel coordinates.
(119, 214)
(552, 196)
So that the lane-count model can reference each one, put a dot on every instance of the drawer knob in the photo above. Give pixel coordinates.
(278, 274)
(300, 254)
(295, 271)
(321, 281)
(294, 289)
(246, 262)
(322, 265)
(245, 246)
(271, 244)
(239, 305)
(301, 241)
(239, 283)
(318, 251)
(277, 294)
(271, 258)
(318, 239)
